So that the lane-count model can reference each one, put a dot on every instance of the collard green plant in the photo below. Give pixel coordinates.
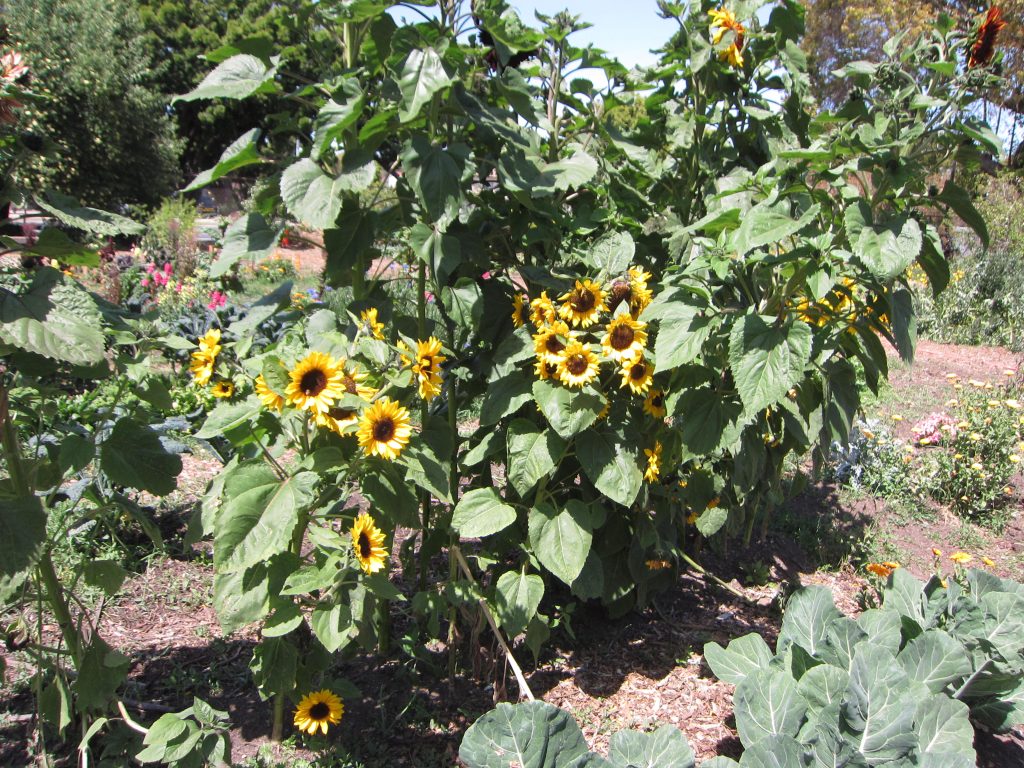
(902, 682)
(539, 735)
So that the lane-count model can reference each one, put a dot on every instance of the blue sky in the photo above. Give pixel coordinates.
(626, 29)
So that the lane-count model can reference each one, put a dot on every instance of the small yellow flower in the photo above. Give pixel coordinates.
(1013, 405)
(427, 367)
(315, 383)
(545, 370)
(201, 368)
(625, 339)
(542, 311)
(582, 304)
(318, 711)
(368, 544)
(223, 389)
(868, 434)
(653, 462)
(977, 466)
(976, 384)
(369, 318)
(637, 375)
(897, 417)
(550, 340)
(988, 561)
(723, 21)
(658, 565)
(639, 294)
(881, 570)
(961, 558)
(654, 404)
(577, 365)
(692, 518)
(937, 552)
(1009, 372)
(1014, 458)
(210, 343)
(384, 429)
(518, 305)
(952, 376)
(924, 441)
(403, 353)
(267, 396)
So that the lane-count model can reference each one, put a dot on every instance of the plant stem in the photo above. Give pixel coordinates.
(277, 730)
(59, 606)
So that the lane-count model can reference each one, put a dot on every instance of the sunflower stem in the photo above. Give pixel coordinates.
(277, 729)
(421, 330)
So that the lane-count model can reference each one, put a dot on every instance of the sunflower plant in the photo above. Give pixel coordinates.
(633, 300)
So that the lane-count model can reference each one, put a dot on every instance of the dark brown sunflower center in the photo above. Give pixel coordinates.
(313, 382)
(319, 711)
(620, 292)
(350, 385)
(582, 300)
(622, 337)
(383, 430)
(365, 547)
(550, 369)
(577, 364)
(553, 345)
(341, 414)
(637, 371)
(658, 401)
(425, 363)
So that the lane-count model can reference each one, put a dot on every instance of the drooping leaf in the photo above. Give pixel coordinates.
(532, 454)
(239, 77)
(423, 75)
(134, 456)
(517, 596)
(767, 359)
(22, 533)
(611, 463)
(242, 152)
(338, 115)
(71, 212)
(567, 411)
(481, 512)
(561, 539)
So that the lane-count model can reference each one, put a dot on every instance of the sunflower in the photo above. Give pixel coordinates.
(201, 367)
(605, 410)
(338, 420)
(210, 343)
(384, 429)
(639, 294)
(315, 383)
(653, 462)
(518, 315)
(403, 348)
(548, 341)
(352, 381)
(542, 310)
(369, 318)
(722, 22)
(637, 375)
(545, 369)
(961, 558)
(625, 339)
(267, 396)
(984, 46)
(368, 543)
(223, 388)
(654, 404)
(428, 367)
(582, 304)
(577, 364)
(318, 710)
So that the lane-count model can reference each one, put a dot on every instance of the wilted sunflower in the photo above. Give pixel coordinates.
(267, 396)
(577, 364)
(654, 404)
(368, 543)
(637, 375)
(542, 310)
(984, 46)
(625, 339)
(318, 710)
(369, 318)
(582, 304)
(518, 313)
(315, 383)
(223, 388)
(723, 21)
(653, 462)
(428, 367)
(352, 381)
(384, 429)
(338, 420)
(201, 367)
(639, 294)
(549, 342)
(545, 369)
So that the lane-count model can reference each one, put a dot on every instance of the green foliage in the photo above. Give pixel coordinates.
(112, 143)
(170, 235)
(840, 691)
(538, 735)
(197, 736)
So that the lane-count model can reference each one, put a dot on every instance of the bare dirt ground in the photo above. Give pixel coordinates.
(640, 671)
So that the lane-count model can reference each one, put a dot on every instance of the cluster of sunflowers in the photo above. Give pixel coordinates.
(570, 350)
(204, 360)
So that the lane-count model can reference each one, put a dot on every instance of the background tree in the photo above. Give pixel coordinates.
(841, 31)
(112, 141)
(180, 33)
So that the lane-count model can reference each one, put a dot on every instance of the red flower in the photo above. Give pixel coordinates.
(984, 46)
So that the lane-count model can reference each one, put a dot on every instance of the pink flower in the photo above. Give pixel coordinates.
(217, 299)
(486, 275)
(145, 282)
(150, 268)
(178, 287)
(168, 268)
